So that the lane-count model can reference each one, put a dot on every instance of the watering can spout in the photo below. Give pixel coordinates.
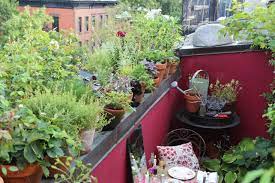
(174, 84)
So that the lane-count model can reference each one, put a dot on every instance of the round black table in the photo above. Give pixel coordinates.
(213, 130)
(206, 122)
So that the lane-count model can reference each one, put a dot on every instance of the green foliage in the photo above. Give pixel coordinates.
(171, 7)
(7, 9)
(67, 111)
(152, 31)
(140, 74)
(141, 3)
(34, 59)
(257, 25)
(77, 173)
(31, 139)
(117, 100)
(247, 155)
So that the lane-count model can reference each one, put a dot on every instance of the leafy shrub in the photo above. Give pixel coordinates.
(66, 111)
(246, 156)
(27, 139)
(34, 59)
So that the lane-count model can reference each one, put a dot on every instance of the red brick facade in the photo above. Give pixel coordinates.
(69, 19)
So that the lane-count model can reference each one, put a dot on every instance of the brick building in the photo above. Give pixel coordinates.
(82, 16)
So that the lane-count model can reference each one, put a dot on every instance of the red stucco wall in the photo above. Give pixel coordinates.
(255, 75)
(114, 168)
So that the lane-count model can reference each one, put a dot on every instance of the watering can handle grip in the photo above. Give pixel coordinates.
(197, 72)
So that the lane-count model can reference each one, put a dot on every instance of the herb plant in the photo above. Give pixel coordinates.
(228, 91)
(72, 171)
(117, 100)
(66, 111)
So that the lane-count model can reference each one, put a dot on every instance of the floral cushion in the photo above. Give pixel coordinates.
(181, 155)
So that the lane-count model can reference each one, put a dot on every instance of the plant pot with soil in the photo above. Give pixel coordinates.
(174, 62)
(116, 104)
(228, 92)
(192, 101)
(161, 67)
(25, 142)
(31, 173)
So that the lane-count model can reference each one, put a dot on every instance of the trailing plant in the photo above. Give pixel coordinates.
(228, 91)
(72, 171)
(66, 111)
(117, 100)
(25, 139)
(246, 156)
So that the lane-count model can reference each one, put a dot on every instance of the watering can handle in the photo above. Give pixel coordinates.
(197, 73)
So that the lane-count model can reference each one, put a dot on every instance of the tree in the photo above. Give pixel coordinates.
(141, 3)
(7, 9)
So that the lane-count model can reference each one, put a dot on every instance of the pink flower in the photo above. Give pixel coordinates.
(121, 34)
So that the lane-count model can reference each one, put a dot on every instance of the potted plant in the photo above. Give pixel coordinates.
(192, 101)
(157, 57)
(26, 141)
(79, 117)
(141, 81)
(116, 104)
(152, 70)
(228, 91)
(173, 61)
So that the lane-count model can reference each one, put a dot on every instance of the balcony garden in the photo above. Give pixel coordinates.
(56, 97)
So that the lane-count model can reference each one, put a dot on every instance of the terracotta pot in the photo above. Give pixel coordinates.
(143, 87)
(167, 70)
(115, 116)
(173, 68)
(32, 173)
(231, 106)
(157, 81)
(192, 102)
(161, 69)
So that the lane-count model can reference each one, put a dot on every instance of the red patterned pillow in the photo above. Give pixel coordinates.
(181, 155)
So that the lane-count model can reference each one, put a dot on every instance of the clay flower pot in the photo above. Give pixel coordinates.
(32, 173)
(115, 115)
(157, 81)
(192, 102)
(167, 70)
(173, 68)
(161, 69)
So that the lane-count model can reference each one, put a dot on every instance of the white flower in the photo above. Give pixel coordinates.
(54, 44)
(153, 13)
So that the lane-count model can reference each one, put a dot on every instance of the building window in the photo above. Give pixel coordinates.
(55, 24)
(93, 21)
(87, 23)
(101, 20)
(79, 24)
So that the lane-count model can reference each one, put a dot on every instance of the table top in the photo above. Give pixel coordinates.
(187, 118)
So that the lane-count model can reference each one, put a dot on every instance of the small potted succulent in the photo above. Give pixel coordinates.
(228, 92)
(116, 104)
(192, 101)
